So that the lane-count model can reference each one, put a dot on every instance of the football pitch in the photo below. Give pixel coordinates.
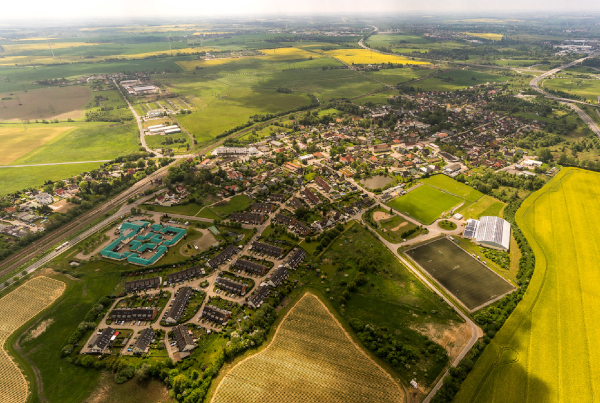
(472, 283)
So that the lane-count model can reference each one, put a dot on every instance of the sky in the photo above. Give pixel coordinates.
(82, 9)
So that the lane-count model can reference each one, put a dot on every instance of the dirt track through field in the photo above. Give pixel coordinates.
(16, 308)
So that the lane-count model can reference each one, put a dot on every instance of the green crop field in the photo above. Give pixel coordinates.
(546, 351)
(424, 204)
(589, 89)
(13, 179)
(459, 273)
(88, 142)
(398, 76)
(443, 182)
(458, 79)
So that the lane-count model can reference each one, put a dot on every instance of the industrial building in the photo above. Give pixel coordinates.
(489, 231)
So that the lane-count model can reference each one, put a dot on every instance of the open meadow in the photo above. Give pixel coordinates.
(19, 178)
(393, 300)
(298, 365)
(588, 89)
(47, 103)
(546, 351)
(485, 206)
(87, 142)
(16, 309)
(18, 140)
(425, 203)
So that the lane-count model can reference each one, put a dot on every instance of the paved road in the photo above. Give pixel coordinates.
(52, 163)
(138, 119)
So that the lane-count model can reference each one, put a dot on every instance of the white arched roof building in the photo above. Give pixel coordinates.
(489, 231)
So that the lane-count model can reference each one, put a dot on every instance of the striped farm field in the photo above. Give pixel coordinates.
(16, 308)
(310, 359)
(547, 350)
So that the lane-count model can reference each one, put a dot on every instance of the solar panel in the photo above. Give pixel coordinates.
(469, 232)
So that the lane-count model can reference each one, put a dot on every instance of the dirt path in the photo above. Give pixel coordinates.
(36, 371)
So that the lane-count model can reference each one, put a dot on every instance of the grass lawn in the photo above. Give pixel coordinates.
(485, 206)
(392, 228)
(236, 203)
(190, 209)
(13, 179)
(550, 337)
(206, 212)
(454, 187)
(447, 225)
(424, 204)
(90, 142)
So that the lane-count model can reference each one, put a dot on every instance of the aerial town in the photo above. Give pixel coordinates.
(388, 209)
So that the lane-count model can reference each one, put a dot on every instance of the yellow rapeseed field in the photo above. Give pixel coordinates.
(490, 36)
(365, 56)
(547, 351)
(311, 359)
(16, 308)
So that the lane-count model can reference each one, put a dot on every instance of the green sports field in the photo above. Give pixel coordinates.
(547, 350)
(425, 203)
(456, 188)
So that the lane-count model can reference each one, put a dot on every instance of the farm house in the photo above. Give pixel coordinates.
(490, 231)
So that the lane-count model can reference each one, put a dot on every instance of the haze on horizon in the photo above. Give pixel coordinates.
(137, 9)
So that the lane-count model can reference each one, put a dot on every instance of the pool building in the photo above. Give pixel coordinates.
(141, 243)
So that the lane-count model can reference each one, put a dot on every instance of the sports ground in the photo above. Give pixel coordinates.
(547, 349)
(424, 203)
(472, 283)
